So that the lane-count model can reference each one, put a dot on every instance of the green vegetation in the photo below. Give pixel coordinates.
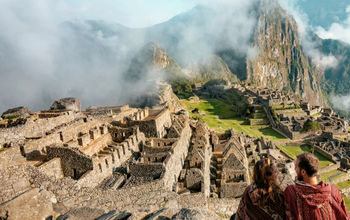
(332, 175)
(347, 202)
(259, 114)
(256, 119)
(214, 82)
(276, 106)
(182, 88)
(311, 126)
(315, 115)
(343, 185)
(274, 115)
(11, 117)
(282, 107)
(221, 117)
(293, 151)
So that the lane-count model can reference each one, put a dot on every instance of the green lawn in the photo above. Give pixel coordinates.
(276, 106)
(281, 107)
(343, 185)
(332, 175)
(259, 115)
(316, 115)
(293, 151)
(220, 116)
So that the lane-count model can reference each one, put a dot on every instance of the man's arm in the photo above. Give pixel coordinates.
(343, 214)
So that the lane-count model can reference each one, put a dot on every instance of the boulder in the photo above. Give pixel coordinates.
(193, 214)
(81, 213)
(33, 204)
(71, 104)
(17, 112)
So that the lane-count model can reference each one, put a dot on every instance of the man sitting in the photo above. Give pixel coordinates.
(310, 199)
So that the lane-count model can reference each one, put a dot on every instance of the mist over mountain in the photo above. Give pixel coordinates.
(255, 40)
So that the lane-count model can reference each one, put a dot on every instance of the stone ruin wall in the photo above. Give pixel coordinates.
(155, 127)
(94, 146)
(103, 166)
(232, 190)
(329, 168)
(291, 134)
(161, 142)
(326, 154)
(74, 163)
(201, 140)
(151, 171)
(120, 134)
(71, 132)
(173, 166)
(147, 127)
(12, 156)
(52, 168)
(35, 146)
(33, 128)
(206, 170)
(163, 121)
(15, 181)
(62, 136)
(12, 135)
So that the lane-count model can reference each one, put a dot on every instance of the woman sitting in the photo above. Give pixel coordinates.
(263, 199)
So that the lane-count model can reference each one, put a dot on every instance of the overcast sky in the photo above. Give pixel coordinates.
(131, 13)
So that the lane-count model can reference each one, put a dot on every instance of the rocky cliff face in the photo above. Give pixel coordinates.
(213, 67)
(152, 59)
(281, 63)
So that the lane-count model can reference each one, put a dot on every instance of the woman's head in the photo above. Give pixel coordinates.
(266, 180)
(265, 173)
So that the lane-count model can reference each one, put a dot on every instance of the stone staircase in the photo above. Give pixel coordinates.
(217, 156)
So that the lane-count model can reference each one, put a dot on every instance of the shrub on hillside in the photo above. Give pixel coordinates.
(311, 126)
(182, 88)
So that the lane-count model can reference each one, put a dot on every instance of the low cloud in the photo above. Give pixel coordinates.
(339, 30)
(341, 102)
(46, 54)
(42, 59)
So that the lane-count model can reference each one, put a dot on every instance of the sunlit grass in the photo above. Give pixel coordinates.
(294, 151)
(221, 117)
(332, 175)
(343, 185)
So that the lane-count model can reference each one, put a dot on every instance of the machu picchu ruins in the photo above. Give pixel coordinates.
(121, 150)
(158, 111)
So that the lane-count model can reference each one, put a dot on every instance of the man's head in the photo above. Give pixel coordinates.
(306, 166)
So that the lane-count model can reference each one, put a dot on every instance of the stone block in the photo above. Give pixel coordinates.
(94, 134)
(84, 140)
(103, 129)
(34, 204)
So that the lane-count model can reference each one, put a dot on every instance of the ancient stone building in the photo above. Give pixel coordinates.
(195, 175)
